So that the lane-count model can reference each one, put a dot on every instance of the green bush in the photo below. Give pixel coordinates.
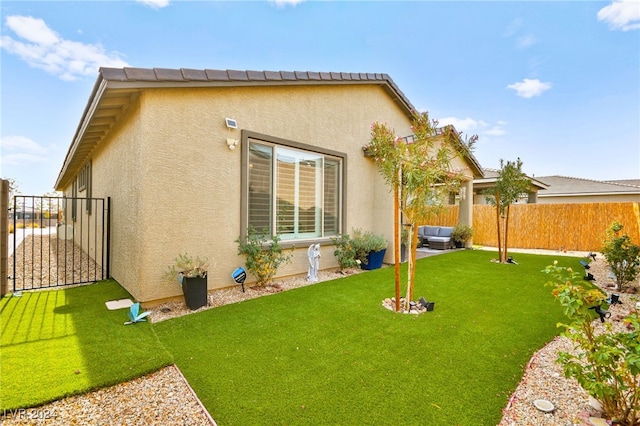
(264, 255)
(461, 233)
(607, 365)
(622, 255)
(366, 242)
(345, 251)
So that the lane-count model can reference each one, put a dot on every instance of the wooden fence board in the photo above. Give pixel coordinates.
(579, 227)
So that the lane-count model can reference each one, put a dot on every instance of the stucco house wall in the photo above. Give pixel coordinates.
(176, 186)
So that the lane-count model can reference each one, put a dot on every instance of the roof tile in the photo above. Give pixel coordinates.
(191, 74)
(272, 75)
(256, 75)
(301, 75)
(117, 74)
(325, 76)
(288, 75)
(168, 74)
(238, 75)
(140, 74)
(217, 75)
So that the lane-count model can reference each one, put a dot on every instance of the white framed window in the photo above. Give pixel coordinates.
(291, 189)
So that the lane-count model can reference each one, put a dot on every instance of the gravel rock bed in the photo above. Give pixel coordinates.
(161, 398)
(44, 260)
(544, 378)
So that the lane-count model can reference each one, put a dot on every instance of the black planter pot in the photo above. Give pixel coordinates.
(374, 260)
(195, 292)
(459, 244)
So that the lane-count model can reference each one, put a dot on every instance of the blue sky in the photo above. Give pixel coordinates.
(554, 83)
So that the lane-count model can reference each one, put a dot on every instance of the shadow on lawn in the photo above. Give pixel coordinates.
(62, 342)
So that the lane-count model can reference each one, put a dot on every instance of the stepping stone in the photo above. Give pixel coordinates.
(112, 305)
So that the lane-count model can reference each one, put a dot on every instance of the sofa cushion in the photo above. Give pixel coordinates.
(439, 239)
(432, 231)
(445, 231)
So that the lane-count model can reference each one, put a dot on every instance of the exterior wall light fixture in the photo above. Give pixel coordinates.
(232, 124)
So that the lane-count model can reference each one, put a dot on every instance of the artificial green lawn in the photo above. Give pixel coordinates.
(330, 354)
(63, 342)
(323, 354)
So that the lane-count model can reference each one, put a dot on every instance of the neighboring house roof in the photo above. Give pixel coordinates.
(571, 186)
(491, 175)
(631, 182)
(117, 88)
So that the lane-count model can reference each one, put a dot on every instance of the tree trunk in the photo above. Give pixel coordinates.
(506, 234)
(398, 237)
(498, 226)
(413, 235)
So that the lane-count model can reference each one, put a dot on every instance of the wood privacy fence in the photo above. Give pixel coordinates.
(578, 227)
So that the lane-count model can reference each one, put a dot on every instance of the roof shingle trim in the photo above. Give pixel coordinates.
(169, 74)
(141, 74)
(273, 75)
(188, 74)
(194, 75)
(256, 75)
(230, 76)
(217, 75)
(288, 75)
(237, 75)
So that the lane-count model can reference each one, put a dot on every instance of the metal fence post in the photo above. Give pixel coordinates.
(4, 237)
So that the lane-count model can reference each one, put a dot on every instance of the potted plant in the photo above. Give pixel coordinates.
(191, 273)
(461, 234)
(370, 248)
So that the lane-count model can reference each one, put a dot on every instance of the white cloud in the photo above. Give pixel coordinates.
(461, 124)
(156, 4)
(471, 126)
(43, 48)
(621, 15)
(528, 88)
(283, 3)
(513, 27)
(20, 150)
(526, 41)
(497, 129)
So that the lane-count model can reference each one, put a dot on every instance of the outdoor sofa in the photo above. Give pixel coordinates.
(435, 237)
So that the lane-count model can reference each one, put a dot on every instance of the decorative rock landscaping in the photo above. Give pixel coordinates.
(418, 307)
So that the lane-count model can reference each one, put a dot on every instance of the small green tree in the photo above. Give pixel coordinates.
(511, 185)
(419, 171)
(607, 364)
(264, 255)
(623, 257)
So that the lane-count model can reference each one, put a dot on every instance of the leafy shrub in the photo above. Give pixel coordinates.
(461, 233)
(345, 251)
(264, 255)
(622, 255)
(367, 242)
(607, 365)
(186, 265)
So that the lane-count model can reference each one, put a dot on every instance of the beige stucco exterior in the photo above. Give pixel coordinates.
(175, 185)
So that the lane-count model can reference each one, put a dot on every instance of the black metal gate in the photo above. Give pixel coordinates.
(58, 241)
